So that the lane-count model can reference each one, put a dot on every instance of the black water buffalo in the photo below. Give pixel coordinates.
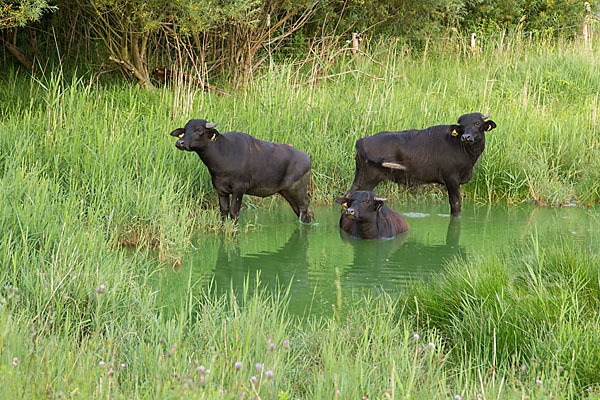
(364, 216)
(442, 154)
(240, 164)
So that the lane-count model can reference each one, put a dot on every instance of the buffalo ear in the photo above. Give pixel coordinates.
(379, 202)
(489, 125)
(178, 132)
(212, 134)
(456, 130)
(344, 201)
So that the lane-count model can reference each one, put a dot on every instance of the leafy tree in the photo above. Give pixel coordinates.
(531, 14)
(389, 17)
(125, 26)
(14, 14)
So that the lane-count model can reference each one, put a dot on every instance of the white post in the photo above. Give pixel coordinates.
(473, 37)
(584, 27)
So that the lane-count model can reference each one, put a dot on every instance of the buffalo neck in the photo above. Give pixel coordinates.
(369, 229)
(474, 151)
(210, 152)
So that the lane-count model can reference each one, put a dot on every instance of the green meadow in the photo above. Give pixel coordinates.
(96, 200)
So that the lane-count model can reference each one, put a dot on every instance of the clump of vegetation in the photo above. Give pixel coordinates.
(233, 41)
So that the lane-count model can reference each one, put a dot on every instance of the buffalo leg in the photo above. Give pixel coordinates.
(297, 196)
(362, 182)
(454, 197)
(366, 177)
(224, 205)
(236, 204)
(299, 203)
(288, 197)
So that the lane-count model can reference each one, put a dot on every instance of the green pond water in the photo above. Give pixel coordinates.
(319, 262)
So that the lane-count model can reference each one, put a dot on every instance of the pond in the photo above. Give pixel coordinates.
(319, 263)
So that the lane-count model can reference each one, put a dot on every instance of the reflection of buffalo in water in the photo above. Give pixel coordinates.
(310, 260)
(391, 263)
(275, 270)
(388, 264)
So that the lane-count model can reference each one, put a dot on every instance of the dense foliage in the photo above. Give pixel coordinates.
(19, 13)
(231, 40)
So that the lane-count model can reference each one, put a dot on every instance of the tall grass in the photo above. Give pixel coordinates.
(105, 149)
(466, 335)
(86, 168)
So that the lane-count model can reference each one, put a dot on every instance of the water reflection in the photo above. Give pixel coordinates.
(321, 261)
(275, 269)
(389, 264)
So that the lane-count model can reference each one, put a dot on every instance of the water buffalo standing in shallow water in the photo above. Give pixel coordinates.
(364, 216)
(240, 164)
(442, 154)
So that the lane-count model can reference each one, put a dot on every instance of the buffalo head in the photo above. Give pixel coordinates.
(361, 205)
(195, 134)
(472, 128)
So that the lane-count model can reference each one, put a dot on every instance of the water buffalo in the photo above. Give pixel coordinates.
(241, 164)
(364, 216)
(442, 154)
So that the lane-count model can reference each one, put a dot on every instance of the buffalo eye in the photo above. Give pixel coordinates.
(476, 123)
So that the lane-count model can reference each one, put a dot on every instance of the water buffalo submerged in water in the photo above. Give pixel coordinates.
(442, 154)
(240, 164)
(364, 216)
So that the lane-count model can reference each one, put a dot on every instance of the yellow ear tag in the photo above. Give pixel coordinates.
(489, 128)
(180, 136)
(344, 206)
(379, 206)
(213, 138)
(454, 133)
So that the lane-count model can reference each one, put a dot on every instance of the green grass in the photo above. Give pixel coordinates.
(536, 326)
(86, 167)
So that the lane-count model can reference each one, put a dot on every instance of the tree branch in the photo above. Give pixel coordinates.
(16, 53)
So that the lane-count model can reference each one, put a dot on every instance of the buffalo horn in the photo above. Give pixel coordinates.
(379, 198)
(486, 116)
(210, 126)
